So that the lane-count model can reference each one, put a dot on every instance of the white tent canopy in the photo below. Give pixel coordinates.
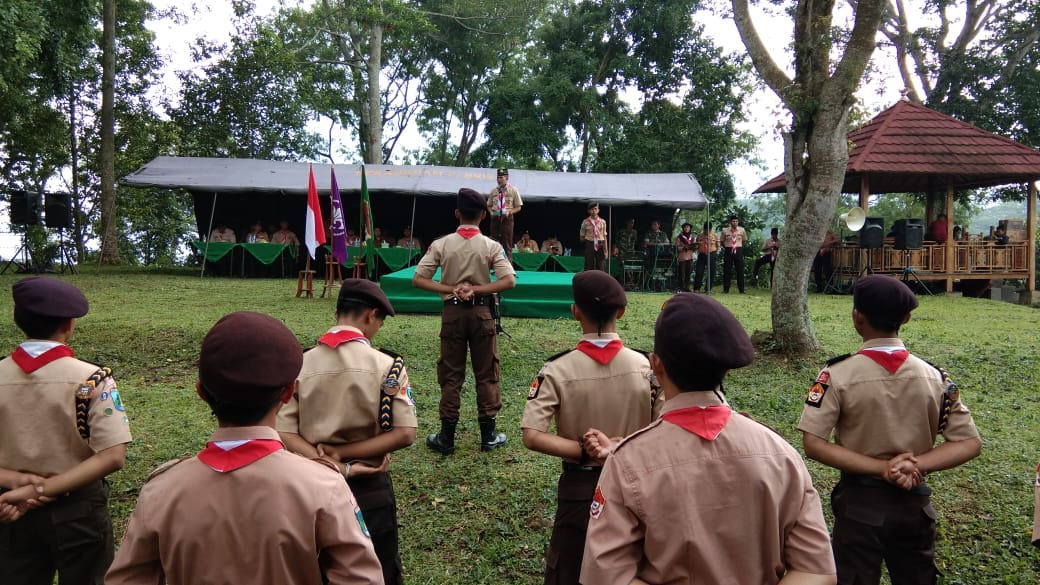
(226, 175)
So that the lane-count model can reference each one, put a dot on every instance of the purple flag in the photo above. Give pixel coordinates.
(339, 226)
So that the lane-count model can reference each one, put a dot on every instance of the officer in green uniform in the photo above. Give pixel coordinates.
(466, 259)
(63, 429)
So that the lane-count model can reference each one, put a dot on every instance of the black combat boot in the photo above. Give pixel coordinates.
(489, 439)
(444, 441)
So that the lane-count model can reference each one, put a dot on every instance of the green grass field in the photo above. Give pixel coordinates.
(485, 517)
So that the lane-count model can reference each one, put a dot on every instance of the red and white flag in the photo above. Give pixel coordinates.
(314, 235)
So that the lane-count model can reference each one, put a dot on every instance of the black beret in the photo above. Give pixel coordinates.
(365, 292)
(595, 289)
(470, 201)
(503, 172)
(697, 329)
(247, 356)
(49, 297)
(884, 299)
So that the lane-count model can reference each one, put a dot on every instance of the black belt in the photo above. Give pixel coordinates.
(877, 482)
(475, 300)
(568, 466)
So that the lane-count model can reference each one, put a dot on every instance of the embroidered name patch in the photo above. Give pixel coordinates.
(532, 392)
(816, 393)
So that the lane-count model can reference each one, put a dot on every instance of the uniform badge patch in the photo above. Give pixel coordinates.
(361, 522)
(116, 400)
(816, 393)
(532, 392)
(408, 396)
(824, 377)
(598, 503)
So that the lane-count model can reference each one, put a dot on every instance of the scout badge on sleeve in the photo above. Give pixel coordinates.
(86, 392)
(951, 394)
(818, 389)
(598, 503)
(391, 386)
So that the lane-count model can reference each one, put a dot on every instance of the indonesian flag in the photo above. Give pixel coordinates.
(314, 235)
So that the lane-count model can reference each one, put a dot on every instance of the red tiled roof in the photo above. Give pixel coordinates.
(909, 148)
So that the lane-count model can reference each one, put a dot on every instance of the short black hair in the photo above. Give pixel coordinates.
(689, 375)
(774, 231)
(242, 415)
(36, 326)
(600, 314)
(592, 204)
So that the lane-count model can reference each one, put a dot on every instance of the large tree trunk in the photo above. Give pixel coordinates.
(109, 234)
(373, 104)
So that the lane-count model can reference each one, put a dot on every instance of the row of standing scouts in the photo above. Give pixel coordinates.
(661, 481)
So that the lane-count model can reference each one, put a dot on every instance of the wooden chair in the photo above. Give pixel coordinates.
(305, 281)
(333, 275)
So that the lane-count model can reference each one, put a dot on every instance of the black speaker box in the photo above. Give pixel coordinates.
(25, 208)
(872, 234)
(909, 234)
(58, 211)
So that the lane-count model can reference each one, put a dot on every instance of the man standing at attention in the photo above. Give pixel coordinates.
(885, 407)
(601, 384)
(503, 203)
(353, 402)
(593, 234)
(466, 259)
(703, 495)
(733, 239)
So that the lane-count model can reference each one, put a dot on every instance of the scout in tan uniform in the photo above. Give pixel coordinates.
(63, 429)
(593, 235)
(503, 203)
(353, 402)
(465, 258)
(245, 510)
(700, 495)
(601, 384)
(885, 407)
(1036, 509)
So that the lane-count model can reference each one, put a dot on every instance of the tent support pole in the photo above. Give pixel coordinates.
(209, 232)
(710, 264)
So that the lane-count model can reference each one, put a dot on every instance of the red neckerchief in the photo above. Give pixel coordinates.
(237, 456)
(501, 198)
(888, 359)
(30, 364)
(603, 354)
(468, 232)
(705, 422)
(334, 339)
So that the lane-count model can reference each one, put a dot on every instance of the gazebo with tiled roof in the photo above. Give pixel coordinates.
(911, 148)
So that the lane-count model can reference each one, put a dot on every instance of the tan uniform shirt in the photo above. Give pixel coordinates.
(262, 524)
(338, 392)
(510, 199)
(580, 393)
(285, 237)
(225, 235)
(590, 233)
(465, 260)
(734, 237)
(38, 431)
(707, 243)
(685, 244)
(879, 414)
(676, 508)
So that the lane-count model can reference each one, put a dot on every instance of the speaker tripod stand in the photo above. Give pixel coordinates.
(27, 264)
(909, 271)
(65, 256)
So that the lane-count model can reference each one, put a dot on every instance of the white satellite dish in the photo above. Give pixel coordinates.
(854, 218)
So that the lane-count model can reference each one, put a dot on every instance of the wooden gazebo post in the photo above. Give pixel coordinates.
(949, 244)
(1030, 291)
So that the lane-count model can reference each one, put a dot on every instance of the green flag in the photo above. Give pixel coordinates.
(366, 211)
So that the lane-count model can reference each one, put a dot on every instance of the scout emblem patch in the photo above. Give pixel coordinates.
(951, 394)
(817, 390)
(532, 391)
(391, 386)
(598, 503)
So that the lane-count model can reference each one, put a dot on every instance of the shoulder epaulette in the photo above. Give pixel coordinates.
(641, 431)
(557, 356)
(536, 384)
(86, 392)
(391, 386)
(839, 358)
(655, 388)
(951, 393)
(164, 468)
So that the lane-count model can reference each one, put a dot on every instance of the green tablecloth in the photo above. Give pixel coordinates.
(537, 294)
(529, 260)
(215, 251)
(570, 263)
(396, 258)
(266, 253)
